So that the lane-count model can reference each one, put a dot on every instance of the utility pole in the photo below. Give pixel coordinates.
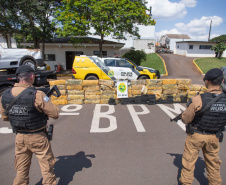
(210, 30)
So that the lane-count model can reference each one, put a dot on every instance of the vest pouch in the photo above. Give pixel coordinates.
(190, 129)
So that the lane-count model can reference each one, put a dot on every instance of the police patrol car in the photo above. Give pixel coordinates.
(94, 68)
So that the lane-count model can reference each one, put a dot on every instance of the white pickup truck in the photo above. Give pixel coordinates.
(11, 58)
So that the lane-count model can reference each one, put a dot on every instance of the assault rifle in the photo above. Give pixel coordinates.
(176, 118)
(51, 91)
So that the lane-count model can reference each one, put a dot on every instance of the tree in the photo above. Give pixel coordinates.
(115, 17)
(219, 49)
(30, 18)
(135, 55)
(221, 38)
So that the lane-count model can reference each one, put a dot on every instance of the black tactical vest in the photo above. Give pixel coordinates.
(23, 115)
(214, 119)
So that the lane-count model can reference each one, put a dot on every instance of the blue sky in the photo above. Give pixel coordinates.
(190, 17)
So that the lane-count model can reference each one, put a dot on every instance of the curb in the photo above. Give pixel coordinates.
(164, 65)
(198, 67)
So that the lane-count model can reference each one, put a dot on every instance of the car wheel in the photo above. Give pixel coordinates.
(91, 77)
(143, 77)
(29, 62)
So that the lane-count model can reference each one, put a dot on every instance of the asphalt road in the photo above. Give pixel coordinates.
(182, 67)
(112, 145)
(116, 145)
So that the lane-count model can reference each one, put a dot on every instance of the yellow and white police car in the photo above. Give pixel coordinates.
(94, 68)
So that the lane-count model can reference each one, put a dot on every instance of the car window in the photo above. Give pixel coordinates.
(110, 62)
(123, 63)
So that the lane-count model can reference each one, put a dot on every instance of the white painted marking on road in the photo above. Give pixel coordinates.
(136, 119)
(69, 110)
(69, 114)
(95, 127)
(177, 110)
(5, 130)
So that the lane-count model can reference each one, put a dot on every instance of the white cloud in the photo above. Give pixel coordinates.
(197, 29)
(189, 3)
(165, 9)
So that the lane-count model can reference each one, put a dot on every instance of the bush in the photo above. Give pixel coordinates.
(135, 55)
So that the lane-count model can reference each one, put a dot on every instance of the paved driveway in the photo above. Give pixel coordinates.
(182, 67)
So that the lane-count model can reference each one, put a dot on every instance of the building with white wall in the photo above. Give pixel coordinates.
(62, 51)
(196, 49)
(169, 40)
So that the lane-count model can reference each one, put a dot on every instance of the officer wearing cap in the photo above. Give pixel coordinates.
(28, 116)
(204, 130)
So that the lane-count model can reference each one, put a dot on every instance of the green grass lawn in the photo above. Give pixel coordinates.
(205, 64)
(153, 61)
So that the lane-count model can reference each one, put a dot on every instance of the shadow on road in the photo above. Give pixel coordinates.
(66, 166)
(199, 168)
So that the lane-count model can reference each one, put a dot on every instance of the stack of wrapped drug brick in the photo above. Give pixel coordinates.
(194, 89)
(61, 85)
(183, 87)
(92, 91)
(154, 86)
(169, 87)
(136, 88)
(75, 92)
(107, 91)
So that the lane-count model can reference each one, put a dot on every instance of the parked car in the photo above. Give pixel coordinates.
(11, 58)
(94, 68)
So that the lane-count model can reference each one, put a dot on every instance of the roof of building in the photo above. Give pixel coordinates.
(197, 42)
(82, 39)
(178, 36)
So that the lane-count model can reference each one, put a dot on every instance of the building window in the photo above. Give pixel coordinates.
(50, 57)
(78, 53)
(97, 53)
(204, 46)
(190, 46)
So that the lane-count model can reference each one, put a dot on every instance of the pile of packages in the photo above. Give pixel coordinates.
(148, 91)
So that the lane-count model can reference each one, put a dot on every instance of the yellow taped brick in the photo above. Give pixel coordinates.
(60, 87)
(63, 92)
(195, 87)
(150, 86)
(75, 97)
(154, 82)
(90, 82)
(108, 96)
(92, 92)
(75, 102)
(62, 97)
(136, 92)
(104, 101)
(78, 92)
(108, 92)
(137, 87)
(155, 91)
(184, 81)
(92, 101)
(169, 81)
(203, 88)
(92, 97)
(59, 102)
(74, 87)
(138, 82)
(91, 88)
(177, 99)
(73, 82)
(108, 83)
(192, 92)
(170, 91)
(105, 87)
(183, 87)
(169, 86)
(57, 82)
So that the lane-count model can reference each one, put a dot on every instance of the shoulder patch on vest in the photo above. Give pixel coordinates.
(46, 99)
